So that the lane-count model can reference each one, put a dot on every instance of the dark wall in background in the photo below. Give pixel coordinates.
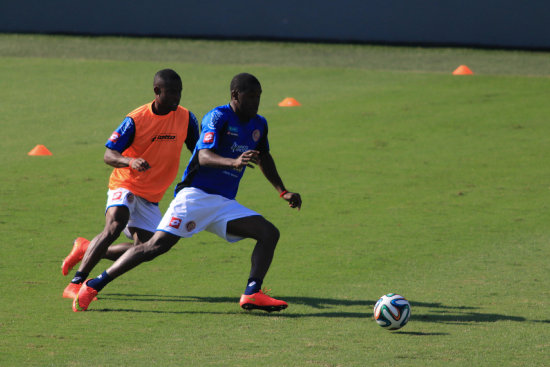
(486, 23)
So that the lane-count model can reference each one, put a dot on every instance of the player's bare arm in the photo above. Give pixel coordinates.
(210, 159)
(115, 159)
(267, 165)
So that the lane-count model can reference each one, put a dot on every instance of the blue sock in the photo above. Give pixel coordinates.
(254, 285)
(99, 282)
(79, 277)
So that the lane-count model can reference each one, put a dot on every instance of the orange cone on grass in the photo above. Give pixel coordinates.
(40, 150)
(289, 102)
(463, 70)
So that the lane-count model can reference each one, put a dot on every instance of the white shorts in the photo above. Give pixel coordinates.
(193, 210)
(143, 214)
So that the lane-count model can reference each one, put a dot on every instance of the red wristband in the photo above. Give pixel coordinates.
(282, 193)
(130, 163)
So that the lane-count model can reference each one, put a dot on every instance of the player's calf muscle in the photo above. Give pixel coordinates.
(148, 252)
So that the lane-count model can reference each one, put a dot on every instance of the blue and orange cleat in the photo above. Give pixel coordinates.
(84, 297)
(261, 301)
(77, 253)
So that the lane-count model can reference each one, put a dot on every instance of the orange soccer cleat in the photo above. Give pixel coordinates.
(84, 297)
(77, 253)
(262, 301)
(71, 290)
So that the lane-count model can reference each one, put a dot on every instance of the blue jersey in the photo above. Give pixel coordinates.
(227, 136)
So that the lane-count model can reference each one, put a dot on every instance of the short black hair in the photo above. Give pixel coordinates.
(243, 82)
(167, 76)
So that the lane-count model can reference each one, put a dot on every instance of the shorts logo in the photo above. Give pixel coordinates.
(114, 137)
(256, 135)
(175, 223)
(191, 226)
(208, 138)
(117, 196)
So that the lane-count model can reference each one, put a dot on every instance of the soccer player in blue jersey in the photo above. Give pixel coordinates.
(233, 137)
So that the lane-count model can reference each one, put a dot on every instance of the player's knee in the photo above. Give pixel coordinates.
(114, 229)
(275, 234)
(269, 234)
(116, 219)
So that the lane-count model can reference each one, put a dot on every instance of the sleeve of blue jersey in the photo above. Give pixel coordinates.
(123, 136)
(263, 144)
(212, 122)
(192, 132)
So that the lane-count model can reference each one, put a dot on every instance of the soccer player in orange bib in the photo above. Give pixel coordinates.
(145, 152)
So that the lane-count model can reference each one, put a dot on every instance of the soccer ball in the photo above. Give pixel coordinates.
(392, 311)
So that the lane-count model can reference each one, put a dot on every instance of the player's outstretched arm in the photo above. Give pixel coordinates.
(115, 159)
(210, 159)
(267, 165)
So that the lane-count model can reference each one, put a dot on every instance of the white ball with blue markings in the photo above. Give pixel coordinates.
(392, 311)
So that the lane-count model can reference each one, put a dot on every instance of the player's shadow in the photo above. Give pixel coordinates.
(322, 307)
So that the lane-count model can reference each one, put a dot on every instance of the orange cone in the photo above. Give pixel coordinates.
(289, 102)
(463, 70)
(40, 150)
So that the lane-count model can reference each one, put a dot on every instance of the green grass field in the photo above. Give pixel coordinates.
(414, 181)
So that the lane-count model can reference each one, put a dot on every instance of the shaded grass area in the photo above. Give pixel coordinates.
(438, 60)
